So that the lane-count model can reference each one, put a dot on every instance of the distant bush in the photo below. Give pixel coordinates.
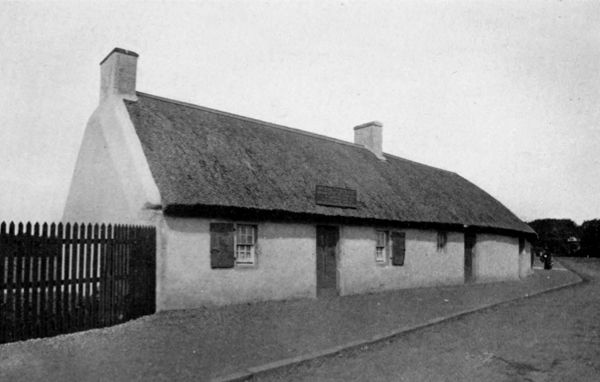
(590, 238)
(553, 235)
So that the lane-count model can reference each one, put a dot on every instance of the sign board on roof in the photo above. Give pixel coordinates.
(335, 196)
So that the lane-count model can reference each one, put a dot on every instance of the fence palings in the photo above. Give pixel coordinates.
(3, 269)
(62, 278)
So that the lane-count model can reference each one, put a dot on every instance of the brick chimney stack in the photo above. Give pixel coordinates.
(117, 74)
(370, 135)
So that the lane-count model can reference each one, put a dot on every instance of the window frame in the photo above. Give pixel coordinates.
(386, 247)
(253, 245)
(388, 259)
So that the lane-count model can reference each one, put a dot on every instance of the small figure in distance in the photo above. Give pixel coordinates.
(546, 258)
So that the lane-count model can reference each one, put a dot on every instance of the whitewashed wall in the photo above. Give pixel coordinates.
(424, 265)
(112, 180)
(496, 258)
(285, 263)
(525, 261)
(285, 266)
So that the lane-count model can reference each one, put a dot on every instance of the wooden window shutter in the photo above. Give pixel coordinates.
(221, 245)
(398, 247)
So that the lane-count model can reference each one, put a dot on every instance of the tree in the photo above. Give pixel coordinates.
(590, 237)
(553, 234)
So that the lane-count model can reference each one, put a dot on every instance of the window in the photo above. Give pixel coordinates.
(390, 245)
(381, 247)
(232, 244)
(442, 239)
(245, 241)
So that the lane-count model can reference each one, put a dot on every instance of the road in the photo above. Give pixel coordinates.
(549, 337)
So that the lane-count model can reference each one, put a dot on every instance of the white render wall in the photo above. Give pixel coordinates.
(496, 258)
(112, 181)
(423, 265)
(285, 263)
(285, 268)
(96, 193)
(525, 261)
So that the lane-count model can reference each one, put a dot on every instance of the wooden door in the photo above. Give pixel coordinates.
(327, 238)
(470, 240)
(398, 247)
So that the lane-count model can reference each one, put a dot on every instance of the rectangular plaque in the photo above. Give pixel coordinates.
(335, 197)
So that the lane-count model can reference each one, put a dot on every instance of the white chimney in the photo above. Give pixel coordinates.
(117, 74)
(369, 135)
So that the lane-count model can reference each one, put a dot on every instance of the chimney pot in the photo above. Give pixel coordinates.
(118, 74)
(370, 135)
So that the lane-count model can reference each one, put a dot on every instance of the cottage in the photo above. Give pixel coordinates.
(247, 210)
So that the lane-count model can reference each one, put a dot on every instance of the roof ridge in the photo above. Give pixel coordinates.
(281, 127)
(249, 119)
(418, 163)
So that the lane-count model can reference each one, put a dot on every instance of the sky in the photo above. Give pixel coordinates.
(505, 93)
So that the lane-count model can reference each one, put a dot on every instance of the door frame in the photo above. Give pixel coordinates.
(336, 257)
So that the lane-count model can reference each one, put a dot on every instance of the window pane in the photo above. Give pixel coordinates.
(381, 238)
(245, 254)
(245, 241)
(245, 234)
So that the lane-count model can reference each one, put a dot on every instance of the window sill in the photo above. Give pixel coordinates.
(245, 265)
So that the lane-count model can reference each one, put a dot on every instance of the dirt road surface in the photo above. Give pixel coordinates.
(550, 337)
(199, 344)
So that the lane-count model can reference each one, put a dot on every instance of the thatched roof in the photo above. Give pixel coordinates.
(202, 158)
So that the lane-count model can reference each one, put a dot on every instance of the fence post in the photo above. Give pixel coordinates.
(10, 313)
(110, 269)
(73, 318)
(19, 283)
(66, 319)
(35, 276)
(103, 277)
(43, 279)
(58, 250)
(3, 283)
(26, 250)
(94, 300)
(86, 276)
(49, 239)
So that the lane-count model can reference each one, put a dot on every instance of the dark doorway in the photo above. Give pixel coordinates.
(470, 240)
(327, 239)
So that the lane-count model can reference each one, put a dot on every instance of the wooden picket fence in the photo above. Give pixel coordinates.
(62, 278)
